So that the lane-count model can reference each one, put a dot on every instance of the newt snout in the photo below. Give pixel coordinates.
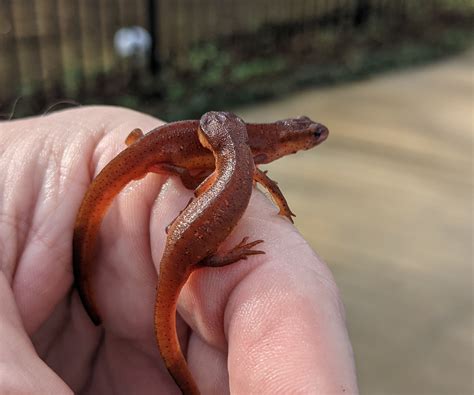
(321, 132)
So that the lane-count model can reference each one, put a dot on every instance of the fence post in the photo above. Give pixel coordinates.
(153, 21)
(362, 12)
(11, 79)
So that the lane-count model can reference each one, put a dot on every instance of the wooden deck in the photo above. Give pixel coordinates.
(387, 201)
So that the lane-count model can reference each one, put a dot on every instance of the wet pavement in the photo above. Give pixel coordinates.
(387, 201)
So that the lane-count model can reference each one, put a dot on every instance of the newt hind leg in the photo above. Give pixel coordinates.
(189, 181)
(240, 251)
(275, 192)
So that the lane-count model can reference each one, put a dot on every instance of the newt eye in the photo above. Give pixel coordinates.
(320, 130)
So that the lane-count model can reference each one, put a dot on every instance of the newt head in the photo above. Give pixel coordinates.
(217, 127)
(288, 136)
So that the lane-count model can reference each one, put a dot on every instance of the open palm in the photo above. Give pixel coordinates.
(271, 324)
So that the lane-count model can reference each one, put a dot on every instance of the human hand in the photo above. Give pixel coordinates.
(271, 324)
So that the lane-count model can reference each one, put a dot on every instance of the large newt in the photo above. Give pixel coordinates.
(177, 148)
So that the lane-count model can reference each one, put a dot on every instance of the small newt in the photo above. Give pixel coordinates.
(179, 149)
(194, 236)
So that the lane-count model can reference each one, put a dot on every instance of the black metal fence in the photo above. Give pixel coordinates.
(56, 49)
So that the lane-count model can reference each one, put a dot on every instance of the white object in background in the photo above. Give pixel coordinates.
(132, 41)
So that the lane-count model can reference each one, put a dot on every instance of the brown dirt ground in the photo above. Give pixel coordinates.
(387, 201)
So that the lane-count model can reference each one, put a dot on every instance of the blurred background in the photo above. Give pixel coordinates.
(386, 201)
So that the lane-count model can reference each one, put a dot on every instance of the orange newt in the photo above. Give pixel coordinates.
(178, 148)
(194, 236)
